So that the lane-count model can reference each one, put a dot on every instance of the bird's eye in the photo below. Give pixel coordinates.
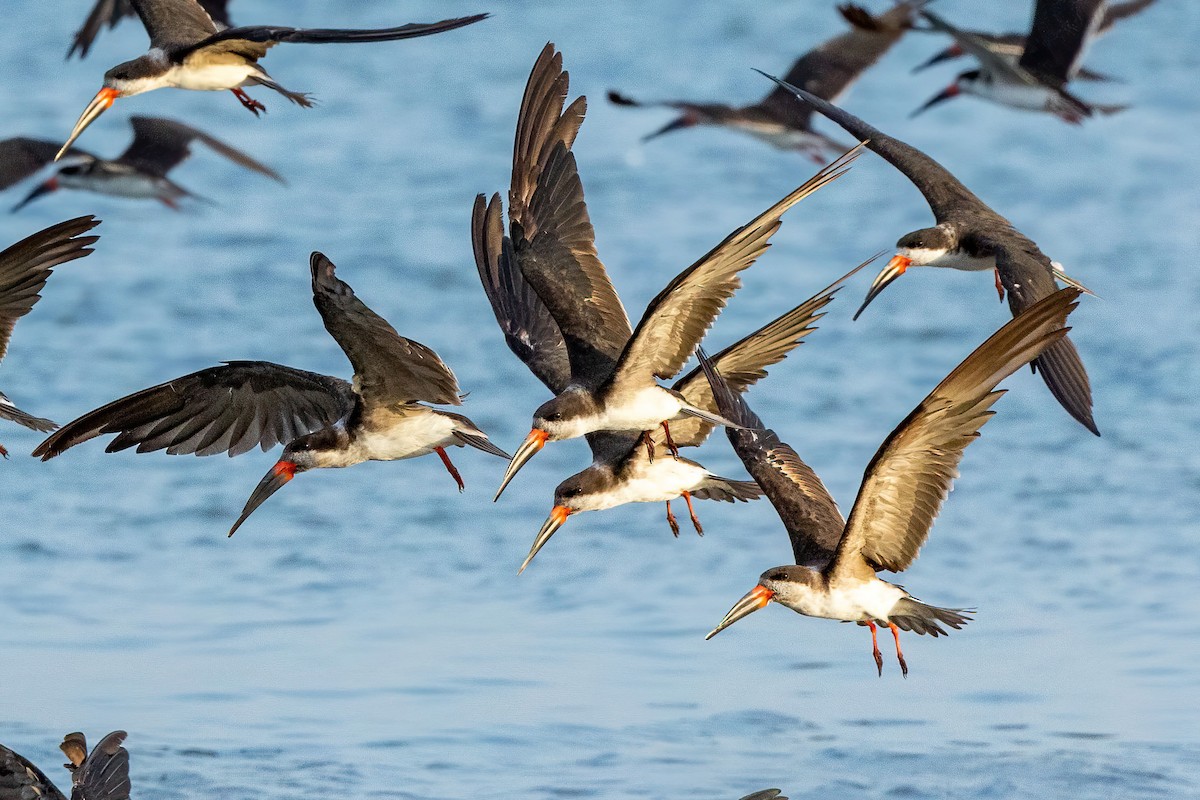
(575, 491)
(555, 417)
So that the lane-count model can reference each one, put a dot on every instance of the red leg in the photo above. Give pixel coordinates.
(169, 203)
(999, 286)
(248, 102)
(649, 442)
(3, 452)
(899, 655)
(453, 472)
(670, 442)
(687, 498)
(875, 648)
(671, 521)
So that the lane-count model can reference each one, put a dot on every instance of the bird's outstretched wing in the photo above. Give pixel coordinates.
(676, 320)
(908, 479)
(831, 67)
(254, 41)
(1059, 38)
(388, 368)
(26, 266)
(226, 409)
(808, 512)
(20, 157)
(744, 363)
(944, 193)
(159, 145)
(552, 236)
(174, 25)
(530, 331)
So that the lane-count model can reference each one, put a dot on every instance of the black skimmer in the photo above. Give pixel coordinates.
(971, 236)
(324, 422)
(188, 52)
(828, 70)
(1010, 46)
(902, 491)
(623, 471)
(24, 269)
(1037, 81)
(611, 369)
(110, 12)
(101, 775)
(159, 145)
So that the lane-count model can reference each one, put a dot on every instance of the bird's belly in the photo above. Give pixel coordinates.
(665, 479)
(211, 77)
(956, 259)
(641, 411)
(1017, 95)
(781, 136)
(856, 602)
(409, 437)
(132, 185)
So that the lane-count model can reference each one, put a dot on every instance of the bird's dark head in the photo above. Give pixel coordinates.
(565, 416)
(585, 491)
(134, 77)
(324, 448)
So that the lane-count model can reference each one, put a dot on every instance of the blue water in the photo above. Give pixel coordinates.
(365, 633)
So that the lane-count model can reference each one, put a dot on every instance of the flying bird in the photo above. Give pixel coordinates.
(836, 560)
(610, 369)
(187, 51)
(24, 269)
(110, 12)
(623, 471)
(1037, 81)
(159, 145)
(324, 422)
(969, 235)
(101, 775)
(828, 71)
(1011, 46)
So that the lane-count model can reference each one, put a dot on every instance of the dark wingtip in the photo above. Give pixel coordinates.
(618, 99)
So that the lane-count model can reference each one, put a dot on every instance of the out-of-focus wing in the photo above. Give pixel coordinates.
(1059, 38)
(159, 145)
(21, 157)
(104, 775)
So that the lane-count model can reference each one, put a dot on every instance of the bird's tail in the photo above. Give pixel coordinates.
(911, 614)
(727, 490)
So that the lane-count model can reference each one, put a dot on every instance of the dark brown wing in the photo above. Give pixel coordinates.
(1027, 276)
(105, 12)
(26, 265)
(1116, 12)
(944, 193)
(1058, 39)
(20, 779)
(388, 368)
(231, 408)
(805, 506)
(744, 363)
(552, 235)
(160, 144)
(174, 24)
(105, 773)
(908, 479)
(21, 157)
(530, 331)
(676, 320)
(828, 69)
(254, 41)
